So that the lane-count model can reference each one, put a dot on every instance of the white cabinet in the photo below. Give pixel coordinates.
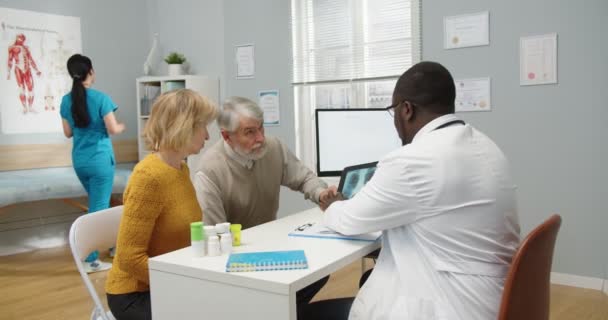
(149, 88)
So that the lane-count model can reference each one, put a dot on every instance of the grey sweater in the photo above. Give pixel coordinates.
(228, 190)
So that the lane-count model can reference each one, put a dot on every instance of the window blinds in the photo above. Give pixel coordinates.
(346, 40)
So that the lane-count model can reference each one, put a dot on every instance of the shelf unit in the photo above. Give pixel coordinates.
(149, 88)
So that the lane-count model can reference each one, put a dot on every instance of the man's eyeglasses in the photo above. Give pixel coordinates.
(391, 109)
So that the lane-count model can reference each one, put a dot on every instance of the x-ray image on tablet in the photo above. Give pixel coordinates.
(353, 178)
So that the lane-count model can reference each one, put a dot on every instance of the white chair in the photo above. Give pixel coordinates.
(94, 231)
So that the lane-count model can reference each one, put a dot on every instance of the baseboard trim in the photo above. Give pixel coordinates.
(573, 280)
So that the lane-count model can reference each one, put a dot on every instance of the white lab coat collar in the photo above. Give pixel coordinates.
(434, 124)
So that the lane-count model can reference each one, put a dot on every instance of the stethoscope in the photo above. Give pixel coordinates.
(447, 124)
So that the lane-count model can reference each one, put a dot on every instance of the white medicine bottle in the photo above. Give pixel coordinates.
(213, 246)
(226, 242)
(222, 227)
(209, 231)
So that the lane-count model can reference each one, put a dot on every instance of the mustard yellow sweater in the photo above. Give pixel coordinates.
(160, 203)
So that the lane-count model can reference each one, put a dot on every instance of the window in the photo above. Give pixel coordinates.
(348, 54)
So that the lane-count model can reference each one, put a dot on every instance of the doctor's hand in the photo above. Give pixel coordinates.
(328, 196)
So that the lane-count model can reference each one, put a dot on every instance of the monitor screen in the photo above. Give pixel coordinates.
(347, 137)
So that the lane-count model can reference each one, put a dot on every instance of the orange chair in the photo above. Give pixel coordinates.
(526, 292)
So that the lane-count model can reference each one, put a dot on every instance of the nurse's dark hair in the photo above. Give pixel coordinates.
(79, 67)
(428, 85)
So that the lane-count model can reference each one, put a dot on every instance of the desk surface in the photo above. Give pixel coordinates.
(324, 257)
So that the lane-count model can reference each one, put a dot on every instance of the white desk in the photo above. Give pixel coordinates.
(184, 287)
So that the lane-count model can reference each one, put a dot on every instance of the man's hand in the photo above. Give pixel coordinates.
(328, 196)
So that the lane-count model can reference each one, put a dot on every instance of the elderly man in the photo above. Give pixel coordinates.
(241, 175)
(446, 204)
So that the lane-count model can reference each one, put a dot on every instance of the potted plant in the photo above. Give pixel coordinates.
(175, 61)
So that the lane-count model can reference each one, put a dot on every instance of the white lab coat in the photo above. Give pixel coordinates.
(447, 207)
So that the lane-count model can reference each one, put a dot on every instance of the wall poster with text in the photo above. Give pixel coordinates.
(34, 49)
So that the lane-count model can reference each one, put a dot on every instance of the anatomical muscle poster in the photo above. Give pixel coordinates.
(34, 49)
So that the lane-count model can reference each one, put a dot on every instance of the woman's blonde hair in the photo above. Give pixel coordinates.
(174, 117)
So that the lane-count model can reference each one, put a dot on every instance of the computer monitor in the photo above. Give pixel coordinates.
(347, 137)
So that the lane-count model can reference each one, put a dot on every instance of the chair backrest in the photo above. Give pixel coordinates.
(527, 287)
(94, 231)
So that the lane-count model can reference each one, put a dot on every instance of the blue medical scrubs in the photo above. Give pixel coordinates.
(92, 152)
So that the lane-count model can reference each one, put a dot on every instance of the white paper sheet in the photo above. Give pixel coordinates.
(538, 59)
(269, 102)
(245, 62)
(473, 95)
(467, 30)
(318, 230)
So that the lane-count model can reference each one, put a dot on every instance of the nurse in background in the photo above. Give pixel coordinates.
(88, 117)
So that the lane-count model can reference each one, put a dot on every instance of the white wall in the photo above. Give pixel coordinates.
(554, 135)
(194, 28)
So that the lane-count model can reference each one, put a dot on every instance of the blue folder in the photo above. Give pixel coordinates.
(266, 261)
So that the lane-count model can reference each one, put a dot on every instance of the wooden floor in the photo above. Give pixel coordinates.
(45, 285)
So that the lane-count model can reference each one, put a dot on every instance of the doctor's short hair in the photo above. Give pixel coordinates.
(428, 85)
(174, 118)
(236, 107)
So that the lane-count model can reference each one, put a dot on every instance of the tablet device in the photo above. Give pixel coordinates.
(353, 178)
